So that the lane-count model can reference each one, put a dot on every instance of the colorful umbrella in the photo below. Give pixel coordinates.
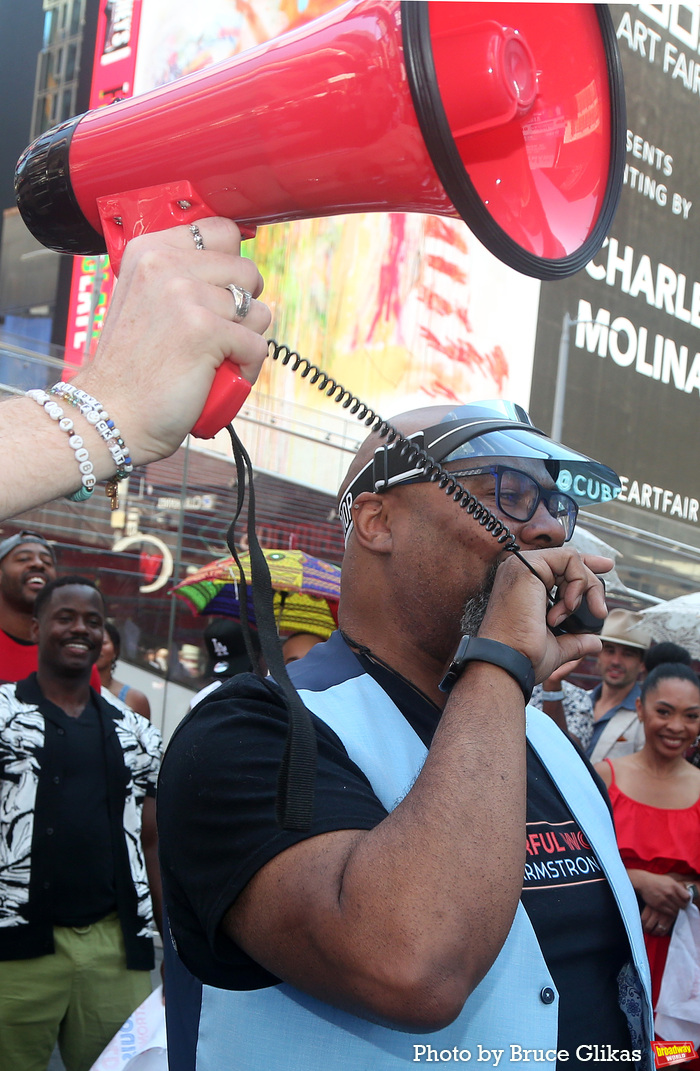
(306, 590)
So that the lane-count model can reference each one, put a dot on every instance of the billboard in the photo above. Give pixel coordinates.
(633, 384)
(112, 79)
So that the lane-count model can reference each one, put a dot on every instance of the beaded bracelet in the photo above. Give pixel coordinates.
(105, 427)
(50, 406)
(94, 413)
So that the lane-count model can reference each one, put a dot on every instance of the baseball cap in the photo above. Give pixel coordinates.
(490, 430)
(226, 650)
(19, 538)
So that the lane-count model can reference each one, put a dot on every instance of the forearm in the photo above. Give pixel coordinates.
(415, 911)
(169, 329)
(38, 462)
(554, 708)
(638, 879)
(149, 847)
(155, 885)
(666, 893)
(451, 857)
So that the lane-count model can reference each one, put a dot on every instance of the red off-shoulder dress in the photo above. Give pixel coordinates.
(661, 841)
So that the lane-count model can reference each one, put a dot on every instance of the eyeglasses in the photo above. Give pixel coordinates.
(518, 496)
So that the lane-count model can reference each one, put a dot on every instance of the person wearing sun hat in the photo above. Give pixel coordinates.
(617, 730)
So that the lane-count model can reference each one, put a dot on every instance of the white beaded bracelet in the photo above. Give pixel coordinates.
(96, 415)
(54, 410)
(99, 418)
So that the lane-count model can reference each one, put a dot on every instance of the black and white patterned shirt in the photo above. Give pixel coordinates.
(34, 761)
(578, 710)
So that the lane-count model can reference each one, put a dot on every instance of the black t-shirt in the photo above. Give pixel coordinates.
(218, 788)
(81, 856)
(573, 912)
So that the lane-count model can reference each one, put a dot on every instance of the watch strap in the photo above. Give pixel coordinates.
(479, 649)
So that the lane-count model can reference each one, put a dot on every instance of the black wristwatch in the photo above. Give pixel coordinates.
(478, 649)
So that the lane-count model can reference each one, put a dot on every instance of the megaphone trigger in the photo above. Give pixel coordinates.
(129, 213)
(228, 393)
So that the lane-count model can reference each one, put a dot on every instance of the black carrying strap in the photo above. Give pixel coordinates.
(295, 783)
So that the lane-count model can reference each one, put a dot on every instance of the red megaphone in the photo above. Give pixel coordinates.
(508, 115)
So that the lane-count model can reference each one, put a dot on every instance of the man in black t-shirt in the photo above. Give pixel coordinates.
(79, 848)
(459, 885)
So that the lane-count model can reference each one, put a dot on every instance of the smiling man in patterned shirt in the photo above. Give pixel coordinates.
(77, 845)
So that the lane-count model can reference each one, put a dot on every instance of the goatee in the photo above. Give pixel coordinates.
(475, 608)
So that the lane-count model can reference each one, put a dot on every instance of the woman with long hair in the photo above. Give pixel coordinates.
(655, 794)
(106, 664)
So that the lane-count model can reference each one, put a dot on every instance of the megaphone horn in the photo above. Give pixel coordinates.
(456, 109)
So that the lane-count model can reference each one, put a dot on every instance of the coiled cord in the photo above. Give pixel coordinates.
(414, 455)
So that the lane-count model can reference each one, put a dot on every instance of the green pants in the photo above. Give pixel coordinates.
(78, 997)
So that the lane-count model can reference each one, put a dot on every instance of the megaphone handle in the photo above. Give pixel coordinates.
(156, 208)
(228, 393)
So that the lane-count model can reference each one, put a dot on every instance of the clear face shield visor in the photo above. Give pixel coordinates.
(479, 436)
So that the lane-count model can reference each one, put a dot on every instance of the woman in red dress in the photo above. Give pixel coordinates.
(655, 796)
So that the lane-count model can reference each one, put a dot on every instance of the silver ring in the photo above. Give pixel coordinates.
(242, 298)
(197, 235)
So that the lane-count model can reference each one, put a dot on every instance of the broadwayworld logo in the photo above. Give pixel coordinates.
(670, 1053)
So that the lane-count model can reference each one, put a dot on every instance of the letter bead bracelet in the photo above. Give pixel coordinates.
(96, 416)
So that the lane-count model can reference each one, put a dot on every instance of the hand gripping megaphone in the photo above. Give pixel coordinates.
(510, 116)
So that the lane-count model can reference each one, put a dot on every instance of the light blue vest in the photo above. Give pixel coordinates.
(282, 1029)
